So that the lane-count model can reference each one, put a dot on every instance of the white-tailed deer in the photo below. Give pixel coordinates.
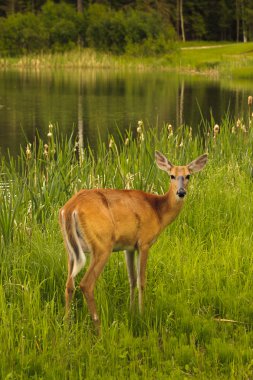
(100, 221)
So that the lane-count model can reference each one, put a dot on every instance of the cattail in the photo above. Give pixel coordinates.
(216, 130)
(45, 150)
(111, 143)
(244, 128)
(28, 151)
(250, 100)
(170, 130)
(140, 126)
(190, 134)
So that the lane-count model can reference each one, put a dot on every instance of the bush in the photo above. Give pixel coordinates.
(23, 33)
(106, 29)
(63, 23)
(147, 34)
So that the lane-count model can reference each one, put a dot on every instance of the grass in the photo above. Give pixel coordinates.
(221, 59)
(231, 60)
(198, 316)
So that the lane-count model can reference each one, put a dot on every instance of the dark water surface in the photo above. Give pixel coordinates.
(103, 100)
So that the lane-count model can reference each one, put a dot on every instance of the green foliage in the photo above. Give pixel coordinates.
(59, 27)
(22, 33)
(147, 34)
(106, 29)
(63, 25)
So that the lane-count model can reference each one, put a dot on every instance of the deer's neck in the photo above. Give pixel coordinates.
(171, 206)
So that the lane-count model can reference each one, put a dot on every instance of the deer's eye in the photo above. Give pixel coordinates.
(172, 177)
(188, 176)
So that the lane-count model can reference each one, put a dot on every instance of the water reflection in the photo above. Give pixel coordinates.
(104, 101)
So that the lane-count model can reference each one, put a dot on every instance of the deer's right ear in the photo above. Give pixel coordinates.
(162, 162)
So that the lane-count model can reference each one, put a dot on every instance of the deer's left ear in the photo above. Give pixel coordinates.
(198, 164)
(162, 162)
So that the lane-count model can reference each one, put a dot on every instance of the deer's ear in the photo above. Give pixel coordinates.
(162, 162)
(198, 164)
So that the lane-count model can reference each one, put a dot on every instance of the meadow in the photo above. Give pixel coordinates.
(198, 311)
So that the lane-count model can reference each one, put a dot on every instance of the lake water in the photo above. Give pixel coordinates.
(103, 101)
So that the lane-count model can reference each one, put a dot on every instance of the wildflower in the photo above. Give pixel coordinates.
(250, 100)
(49, 134)
(127, 141)
(181, 144)
(233, 129)
(50, 127)
(28, 151)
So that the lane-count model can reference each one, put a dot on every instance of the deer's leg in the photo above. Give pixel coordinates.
(131, 274)
(70, 287)
(88, 282)
(141, 275)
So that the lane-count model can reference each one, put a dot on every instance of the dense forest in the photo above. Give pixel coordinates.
(148, 27)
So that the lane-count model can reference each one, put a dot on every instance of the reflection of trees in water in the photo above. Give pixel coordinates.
(104, 101)
(180, 103)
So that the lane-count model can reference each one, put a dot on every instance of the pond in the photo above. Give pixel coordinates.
(93, 102)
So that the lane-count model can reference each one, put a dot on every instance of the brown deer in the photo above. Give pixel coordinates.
(100, 221)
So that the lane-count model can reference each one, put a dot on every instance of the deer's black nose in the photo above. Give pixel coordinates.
(181, 193)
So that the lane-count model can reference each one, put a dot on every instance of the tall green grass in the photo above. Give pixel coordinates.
(198, 317)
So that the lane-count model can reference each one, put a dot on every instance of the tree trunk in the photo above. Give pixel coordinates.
(244, 32)
(182, 20)
(178, 18)
(237, 20)
(79, 6)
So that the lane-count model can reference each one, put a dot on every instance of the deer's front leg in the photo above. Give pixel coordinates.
(142, 264)
(131, 274)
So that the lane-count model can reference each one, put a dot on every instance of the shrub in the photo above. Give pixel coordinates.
(23, 33)
(63, 23)
(106, 29)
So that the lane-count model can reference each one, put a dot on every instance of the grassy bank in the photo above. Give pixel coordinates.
(198, 317)
(227, 60)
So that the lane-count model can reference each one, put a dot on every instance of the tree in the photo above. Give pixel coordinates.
(79, 6)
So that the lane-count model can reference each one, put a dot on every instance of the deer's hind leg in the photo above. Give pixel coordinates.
(99, 258)
(70, 287)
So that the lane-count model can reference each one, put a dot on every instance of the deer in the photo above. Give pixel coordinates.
(97, 222)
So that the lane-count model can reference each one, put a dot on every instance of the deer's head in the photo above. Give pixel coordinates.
(180, 175)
